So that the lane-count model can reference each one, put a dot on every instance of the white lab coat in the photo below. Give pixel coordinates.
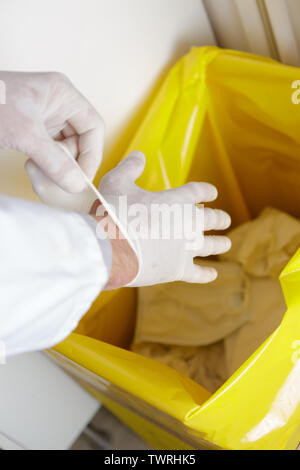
(52, 267)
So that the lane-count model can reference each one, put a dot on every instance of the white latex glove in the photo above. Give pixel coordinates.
(166, 260)
(160, 260)
(42, 107)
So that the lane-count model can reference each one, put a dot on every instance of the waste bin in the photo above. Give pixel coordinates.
(229, 118)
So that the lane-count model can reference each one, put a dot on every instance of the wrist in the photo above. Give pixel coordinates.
(124, 266)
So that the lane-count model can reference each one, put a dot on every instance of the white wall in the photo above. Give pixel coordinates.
(241, 25)
(113, 50)
(266, 27)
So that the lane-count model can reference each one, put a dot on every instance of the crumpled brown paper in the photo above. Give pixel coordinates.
(189, 321)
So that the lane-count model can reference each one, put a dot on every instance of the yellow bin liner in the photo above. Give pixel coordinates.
(229, 118)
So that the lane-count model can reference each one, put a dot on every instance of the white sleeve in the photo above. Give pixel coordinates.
(52, 267)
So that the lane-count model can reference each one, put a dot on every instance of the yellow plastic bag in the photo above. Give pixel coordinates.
(228, 118)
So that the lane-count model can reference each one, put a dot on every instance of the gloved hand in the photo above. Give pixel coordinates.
(166, 259)
(160, 260)
(42, 108)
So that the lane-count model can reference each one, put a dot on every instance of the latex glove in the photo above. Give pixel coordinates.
(42, 107)
(165, 260)
(160, 260)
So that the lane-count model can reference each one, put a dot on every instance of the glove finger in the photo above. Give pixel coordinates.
(64, 134)
(90, 129)
(126, 172)
(54, 161)
(213, 245)
(37, 177)
(194, 193)
(216, 219)
(200, 275)
(71, 145)
(68, 131)
(53, 195)
(41, 184)
(133, 165)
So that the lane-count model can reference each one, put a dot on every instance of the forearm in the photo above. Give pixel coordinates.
(51, 271)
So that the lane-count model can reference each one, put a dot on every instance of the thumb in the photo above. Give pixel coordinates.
(53, 195)
(58, 164)
(39, 180)
(124, 174)
(132, 166)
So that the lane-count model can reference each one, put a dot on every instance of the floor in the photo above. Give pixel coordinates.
(106, 432)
